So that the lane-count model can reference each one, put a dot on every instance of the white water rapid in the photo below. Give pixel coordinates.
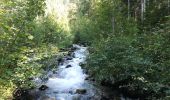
(68, 83)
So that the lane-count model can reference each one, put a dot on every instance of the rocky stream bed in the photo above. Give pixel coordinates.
(69, 82)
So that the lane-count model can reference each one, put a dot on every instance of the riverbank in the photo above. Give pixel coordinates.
(66, 80)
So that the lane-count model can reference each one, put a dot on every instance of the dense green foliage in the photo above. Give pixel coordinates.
(26, 37)
(127, 47)
(129, 40)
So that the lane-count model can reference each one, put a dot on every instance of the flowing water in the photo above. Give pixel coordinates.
(69, 82)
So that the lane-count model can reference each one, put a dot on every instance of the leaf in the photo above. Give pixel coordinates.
(30, 37)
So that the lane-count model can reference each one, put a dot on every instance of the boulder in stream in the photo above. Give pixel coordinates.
(20, 93)
(43, 87)
(69, 58)
(81, 91)
(60, 60)
(68, 66)
(73, 49)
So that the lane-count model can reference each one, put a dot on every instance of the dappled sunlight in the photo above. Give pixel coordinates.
(59, 10)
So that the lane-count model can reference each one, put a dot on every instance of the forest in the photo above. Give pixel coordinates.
(128, 43)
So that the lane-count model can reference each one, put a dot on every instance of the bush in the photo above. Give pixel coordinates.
(26, 38)
(142, 58)
(125, 49)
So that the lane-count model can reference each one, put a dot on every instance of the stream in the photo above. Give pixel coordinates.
(69, 81)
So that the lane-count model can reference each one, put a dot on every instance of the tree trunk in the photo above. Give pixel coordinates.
(113, 24)
(128, 9)
(168, 6)
(143, 9)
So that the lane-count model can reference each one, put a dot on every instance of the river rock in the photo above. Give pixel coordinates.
(85, 71)
(73, 49)
(90, 79)
(81, 91)
(82, 64)
(87, 78)
(69, 58)
(68, 66)
(22, 94)
(43, 87)
(73, 55)
(60, 61)
(71, 92)
(69, 53)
